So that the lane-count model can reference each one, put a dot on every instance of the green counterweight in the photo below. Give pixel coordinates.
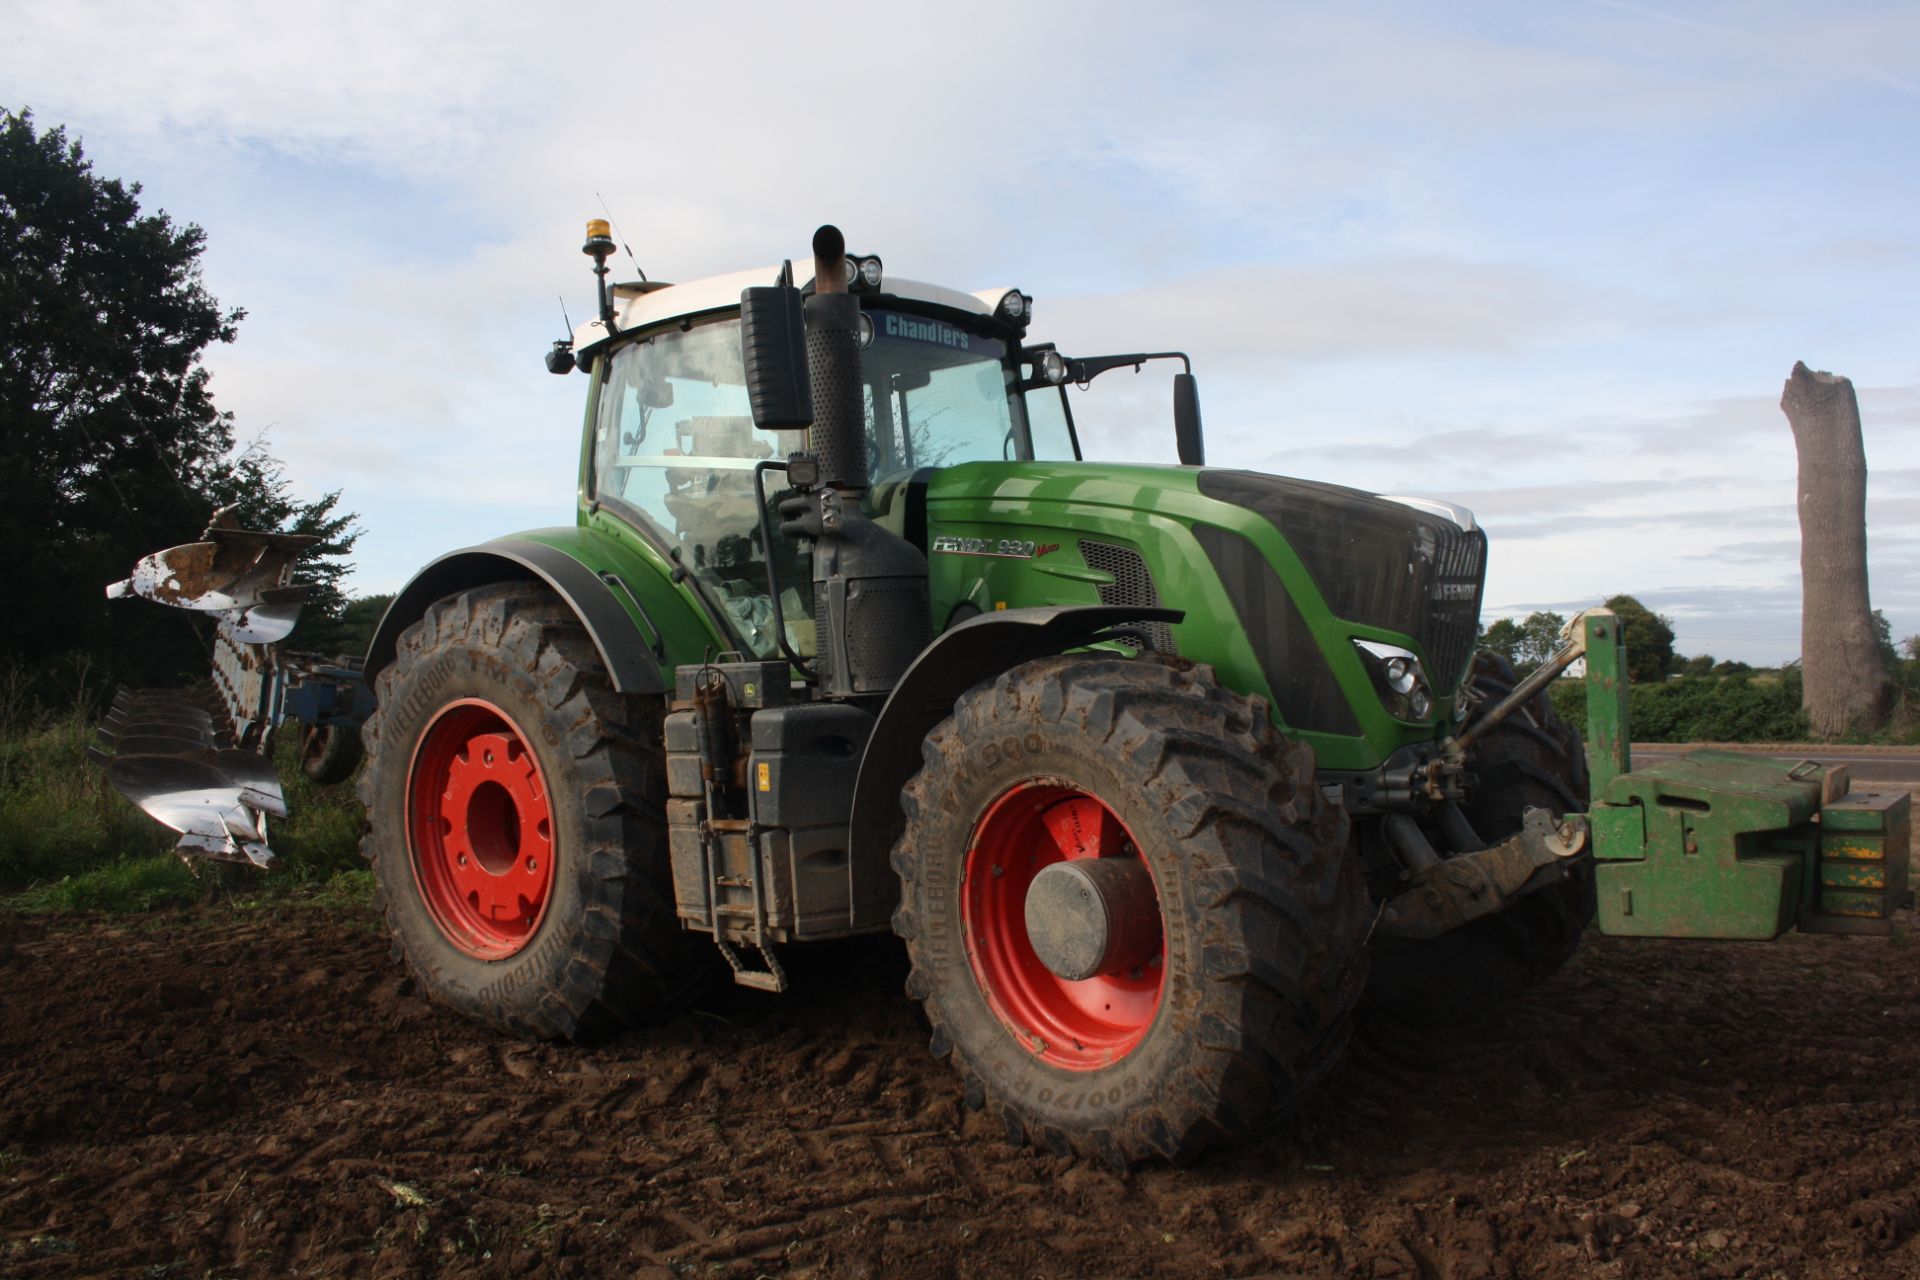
(1720, 844)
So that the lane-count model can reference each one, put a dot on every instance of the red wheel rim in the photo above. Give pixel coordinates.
(480, 830)
(1084, 1025)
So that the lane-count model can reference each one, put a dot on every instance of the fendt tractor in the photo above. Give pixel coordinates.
(1159, 772)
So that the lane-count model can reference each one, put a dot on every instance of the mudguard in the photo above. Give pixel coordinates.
(632, 652)
(959, 658)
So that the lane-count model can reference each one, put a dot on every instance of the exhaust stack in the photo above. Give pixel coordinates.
(838, 437)
(871, 607)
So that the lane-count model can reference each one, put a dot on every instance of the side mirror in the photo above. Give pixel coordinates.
(1186, 421)
(773, 348)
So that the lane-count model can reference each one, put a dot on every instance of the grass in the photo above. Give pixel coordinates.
(69, 842)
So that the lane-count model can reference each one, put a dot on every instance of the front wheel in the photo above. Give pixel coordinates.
(515, 822)
(1130, 912)
(1533, 759)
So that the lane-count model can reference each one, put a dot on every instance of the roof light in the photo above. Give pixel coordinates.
(1014, 308)
(1053, 367)
(865, 329)
(863, 274)
(599, 238)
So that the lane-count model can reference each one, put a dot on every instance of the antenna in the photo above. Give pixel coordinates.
(623, 240)
(563, 313)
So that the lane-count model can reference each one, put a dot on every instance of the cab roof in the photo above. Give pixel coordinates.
(641, 304)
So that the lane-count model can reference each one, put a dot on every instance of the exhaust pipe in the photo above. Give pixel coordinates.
(872, 609)
(838, 437)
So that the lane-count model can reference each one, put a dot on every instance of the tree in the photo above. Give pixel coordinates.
(1539, 639)
(1649, 639)
(1503, 637)
(1847, 686)
(110, 444)
(1527, 643)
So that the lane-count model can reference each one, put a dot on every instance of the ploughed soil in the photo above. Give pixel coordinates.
(226, 1093)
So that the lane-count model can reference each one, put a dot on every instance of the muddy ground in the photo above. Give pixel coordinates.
(256, 1093)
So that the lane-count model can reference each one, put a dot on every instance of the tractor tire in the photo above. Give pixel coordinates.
(1532, 759)
(330, 753)
(516, 828)
(1230, 968)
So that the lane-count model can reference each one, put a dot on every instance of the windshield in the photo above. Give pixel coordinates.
(937, 395)
(674, 443)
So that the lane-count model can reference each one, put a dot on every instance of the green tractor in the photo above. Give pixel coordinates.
(1160, 772)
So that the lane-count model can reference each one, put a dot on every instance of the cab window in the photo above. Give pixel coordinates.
(674, 443)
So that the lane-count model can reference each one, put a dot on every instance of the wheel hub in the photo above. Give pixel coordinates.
(1055, 887)
(480, 830)
(1091, 916)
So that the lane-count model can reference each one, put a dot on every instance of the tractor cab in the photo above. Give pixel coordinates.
(672, 447)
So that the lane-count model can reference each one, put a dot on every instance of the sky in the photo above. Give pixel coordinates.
(1552, 260)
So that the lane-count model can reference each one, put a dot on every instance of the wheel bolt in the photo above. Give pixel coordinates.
(533, 864)
(486, 757)
(463, 859)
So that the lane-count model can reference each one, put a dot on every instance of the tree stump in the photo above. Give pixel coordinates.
(1846, 685)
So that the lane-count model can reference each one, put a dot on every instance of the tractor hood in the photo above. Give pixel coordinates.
(1377, 561)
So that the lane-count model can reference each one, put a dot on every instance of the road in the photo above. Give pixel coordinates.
(1901, 768)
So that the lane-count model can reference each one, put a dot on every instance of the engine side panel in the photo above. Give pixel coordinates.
(1014, 535)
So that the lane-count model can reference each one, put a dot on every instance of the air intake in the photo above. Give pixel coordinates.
(1132, 585)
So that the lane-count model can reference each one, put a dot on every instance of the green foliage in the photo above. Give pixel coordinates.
(1527, 643)
(255, 486)
(357, 622)
(1696, 708)
(320, 836)
(57, 813)
(1883, 637)
(1649, 638)
(110, 444)
(124, 886)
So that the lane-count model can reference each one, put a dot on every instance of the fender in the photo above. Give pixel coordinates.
(632, 655)
(959, 658)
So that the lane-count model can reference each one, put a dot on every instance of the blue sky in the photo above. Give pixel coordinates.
(1552, 260)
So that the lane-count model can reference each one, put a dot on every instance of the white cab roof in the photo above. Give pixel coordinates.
(640, 306)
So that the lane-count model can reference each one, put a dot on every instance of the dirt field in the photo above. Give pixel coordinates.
(226, 1093)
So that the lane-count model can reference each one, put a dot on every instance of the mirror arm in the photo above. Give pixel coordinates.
(1081, 372)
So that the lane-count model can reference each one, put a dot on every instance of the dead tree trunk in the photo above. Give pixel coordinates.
(1845, 678)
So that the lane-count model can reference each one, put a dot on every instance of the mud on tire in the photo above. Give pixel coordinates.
(1263, 911)
(606, 951)
(1532, 759)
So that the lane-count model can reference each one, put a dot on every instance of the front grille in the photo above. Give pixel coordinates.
(1132, 585)
(1453, 617)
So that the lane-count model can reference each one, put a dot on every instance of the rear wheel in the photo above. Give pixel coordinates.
(1532, 759)
(1130, 912)
(516, 829)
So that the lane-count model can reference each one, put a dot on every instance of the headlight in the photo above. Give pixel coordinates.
(1398, 678)
(865, 329)
(1053, 367)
